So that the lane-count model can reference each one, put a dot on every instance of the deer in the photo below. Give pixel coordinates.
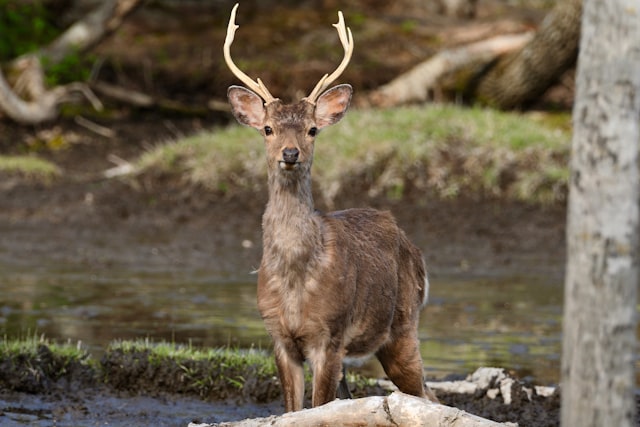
(332, 287)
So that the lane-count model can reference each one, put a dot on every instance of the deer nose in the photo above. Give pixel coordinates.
(290, 155)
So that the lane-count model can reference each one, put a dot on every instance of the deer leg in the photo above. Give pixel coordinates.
(343, 387)
(326, 366)
(291, 374)
(403, 365)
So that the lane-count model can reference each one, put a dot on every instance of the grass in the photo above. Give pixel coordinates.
(215, 373)
(31, 347)
(443, 149)
(34, 365)
(31, 167)
(159, 353)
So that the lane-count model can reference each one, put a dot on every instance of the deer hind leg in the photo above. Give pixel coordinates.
(343, 387)
(291, 374)
(326, 366)
(402, 363)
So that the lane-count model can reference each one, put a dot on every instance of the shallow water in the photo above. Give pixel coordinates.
(511, 322)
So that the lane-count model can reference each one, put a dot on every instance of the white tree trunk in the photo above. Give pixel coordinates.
(598, 376)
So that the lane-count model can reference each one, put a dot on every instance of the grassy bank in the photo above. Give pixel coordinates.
(37, 365)
(442, 149)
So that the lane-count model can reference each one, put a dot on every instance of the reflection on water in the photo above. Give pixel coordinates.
(513, 323)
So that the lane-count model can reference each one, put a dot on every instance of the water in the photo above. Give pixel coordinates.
(511, 322)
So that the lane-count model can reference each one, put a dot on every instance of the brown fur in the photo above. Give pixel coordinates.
(346, 283)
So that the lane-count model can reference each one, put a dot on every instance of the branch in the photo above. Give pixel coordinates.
(142, 100)
(397, 409)
(43, 103)
(417, 84)
(29, 101)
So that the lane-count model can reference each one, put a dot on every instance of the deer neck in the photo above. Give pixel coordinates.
(291, 232)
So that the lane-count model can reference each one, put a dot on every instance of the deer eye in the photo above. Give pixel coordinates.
(268, 130)
(313, 131)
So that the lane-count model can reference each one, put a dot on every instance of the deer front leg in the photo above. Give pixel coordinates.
(327, 370)
(291, 374)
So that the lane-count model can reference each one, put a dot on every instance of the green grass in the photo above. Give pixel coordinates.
(441, 149)
(34, 364)
(30, 167)
(32, 346)
(162, 351)
(215, 373)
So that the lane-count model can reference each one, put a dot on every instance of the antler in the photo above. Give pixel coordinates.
(258, 87)
(346, 38)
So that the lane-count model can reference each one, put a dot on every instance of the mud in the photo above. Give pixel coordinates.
(132, 388)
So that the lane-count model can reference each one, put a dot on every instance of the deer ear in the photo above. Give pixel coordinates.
(247, 107)
(332, 105)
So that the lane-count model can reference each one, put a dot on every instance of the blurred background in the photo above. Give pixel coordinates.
(130, 201)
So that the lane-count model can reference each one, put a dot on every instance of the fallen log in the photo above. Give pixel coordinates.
(397, 409)
(417, 84)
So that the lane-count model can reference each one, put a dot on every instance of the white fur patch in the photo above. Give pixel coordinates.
(425, 296)
(356, 362)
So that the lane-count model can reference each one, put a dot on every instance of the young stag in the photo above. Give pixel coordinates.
(333, 285)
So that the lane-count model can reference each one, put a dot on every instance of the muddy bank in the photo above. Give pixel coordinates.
(139, 385)
(111, 224)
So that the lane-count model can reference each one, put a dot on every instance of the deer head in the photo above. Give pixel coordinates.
(289, 130)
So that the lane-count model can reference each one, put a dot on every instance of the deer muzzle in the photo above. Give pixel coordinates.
(289, 158)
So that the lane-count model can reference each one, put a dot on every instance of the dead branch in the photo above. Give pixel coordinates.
(44, 106)
(142, 100)
(126, 95)
(417, 84)
(28, 101)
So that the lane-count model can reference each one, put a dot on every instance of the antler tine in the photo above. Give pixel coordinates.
(346, 38)
(258, 87)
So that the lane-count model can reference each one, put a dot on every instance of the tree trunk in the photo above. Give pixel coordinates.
(525, 75)
(598, 376)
